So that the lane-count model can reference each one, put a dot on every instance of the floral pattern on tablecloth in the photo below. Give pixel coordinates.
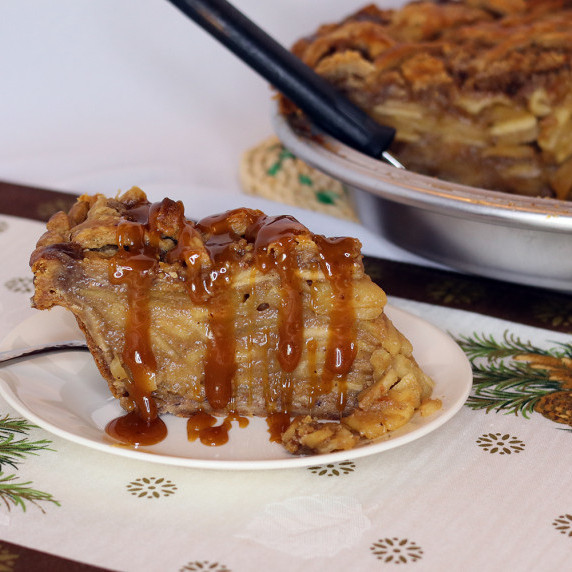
(204, 566)
(503, 444)
(20, 285)
(554, 313)
(151, 487)
(563, 524)
(312, 526)
(368, 514)
(455, 292)
(333, 469)
(396, 550)
(8, 559)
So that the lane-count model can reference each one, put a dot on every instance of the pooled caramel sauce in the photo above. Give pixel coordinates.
(203, 426)
(211, 252)
(132, 429)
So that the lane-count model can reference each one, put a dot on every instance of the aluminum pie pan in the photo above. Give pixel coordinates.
(527, 240)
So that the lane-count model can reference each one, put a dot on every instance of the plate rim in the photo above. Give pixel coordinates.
(378, 447)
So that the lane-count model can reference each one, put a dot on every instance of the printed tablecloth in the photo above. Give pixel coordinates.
(98, 96)
(489, 490)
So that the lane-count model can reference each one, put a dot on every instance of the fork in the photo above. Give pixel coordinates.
(10, 355)
(327, 107)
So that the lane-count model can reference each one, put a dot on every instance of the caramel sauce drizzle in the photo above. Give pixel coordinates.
(277, 423)
(220, 363)
(342, 348)
(135, 265)
(208, 279)
(312, 372)
(281, 233)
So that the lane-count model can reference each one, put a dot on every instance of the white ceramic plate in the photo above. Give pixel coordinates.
(65, 394)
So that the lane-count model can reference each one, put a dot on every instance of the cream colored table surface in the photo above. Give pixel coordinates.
(100, 96)
(486, 491)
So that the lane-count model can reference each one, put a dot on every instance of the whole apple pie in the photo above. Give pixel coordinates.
(479, 91)
(235, 315)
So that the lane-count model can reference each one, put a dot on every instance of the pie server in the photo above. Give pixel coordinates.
(327, 108)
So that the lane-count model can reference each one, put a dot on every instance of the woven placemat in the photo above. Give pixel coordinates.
(271, 171)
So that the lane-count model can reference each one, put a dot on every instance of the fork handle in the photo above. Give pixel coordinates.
(10, 355)
(328, 109)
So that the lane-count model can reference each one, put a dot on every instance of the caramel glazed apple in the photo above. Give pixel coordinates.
(237, 315)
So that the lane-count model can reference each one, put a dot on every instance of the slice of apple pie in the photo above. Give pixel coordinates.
(479, 91)
(238, 314)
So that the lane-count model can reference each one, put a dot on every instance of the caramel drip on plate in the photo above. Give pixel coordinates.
(211, 254)
(132, 429)
(203, 426)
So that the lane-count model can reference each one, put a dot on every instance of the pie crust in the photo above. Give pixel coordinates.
(479, 91)
(235, 315)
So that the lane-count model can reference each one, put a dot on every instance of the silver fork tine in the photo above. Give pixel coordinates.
(9, 355)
